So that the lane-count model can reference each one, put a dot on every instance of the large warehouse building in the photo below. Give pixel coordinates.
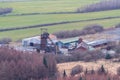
(37, 39)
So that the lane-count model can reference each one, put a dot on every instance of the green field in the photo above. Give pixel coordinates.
(46, 6)
(19, 34)
(20, 21)
(34, 6)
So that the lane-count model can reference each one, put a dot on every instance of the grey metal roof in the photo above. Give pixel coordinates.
(98, 42)
(69, 40)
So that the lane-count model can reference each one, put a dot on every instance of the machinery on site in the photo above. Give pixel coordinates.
(47, 45)
(78, 45)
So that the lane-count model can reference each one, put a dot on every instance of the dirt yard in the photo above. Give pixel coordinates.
(108, 64)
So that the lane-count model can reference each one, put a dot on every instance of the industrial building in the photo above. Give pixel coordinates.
(56, 45)
(49, 42)
(37, 40)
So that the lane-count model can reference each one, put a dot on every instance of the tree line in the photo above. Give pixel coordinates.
(89, 29)
(101, 6)
(15, 65)
(5, 10)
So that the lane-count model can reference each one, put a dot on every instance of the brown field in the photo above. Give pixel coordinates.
(108, 64)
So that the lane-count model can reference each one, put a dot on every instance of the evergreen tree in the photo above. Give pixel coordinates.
(64, 74)
(102, 69)
(92, 71)
(45, 62)
(109, 78)
(80, 78)
(86, 71)
(108, 56)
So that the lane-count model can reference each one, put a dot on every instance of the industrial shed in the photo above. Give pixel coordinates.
(67, 42)
(98, 43)
(72, 43)
(36, 40)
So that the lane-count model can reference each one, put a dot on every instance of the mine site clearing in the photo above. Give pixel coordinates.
(89, 42)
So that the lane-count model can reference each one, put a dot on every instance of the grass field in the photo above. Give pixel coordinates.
(32, 6)
(19, 34)
(38, 6)
(20, 21)
(48, 6)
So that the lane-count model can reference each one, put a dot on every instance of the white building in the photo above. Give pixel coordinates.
(37, 39)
